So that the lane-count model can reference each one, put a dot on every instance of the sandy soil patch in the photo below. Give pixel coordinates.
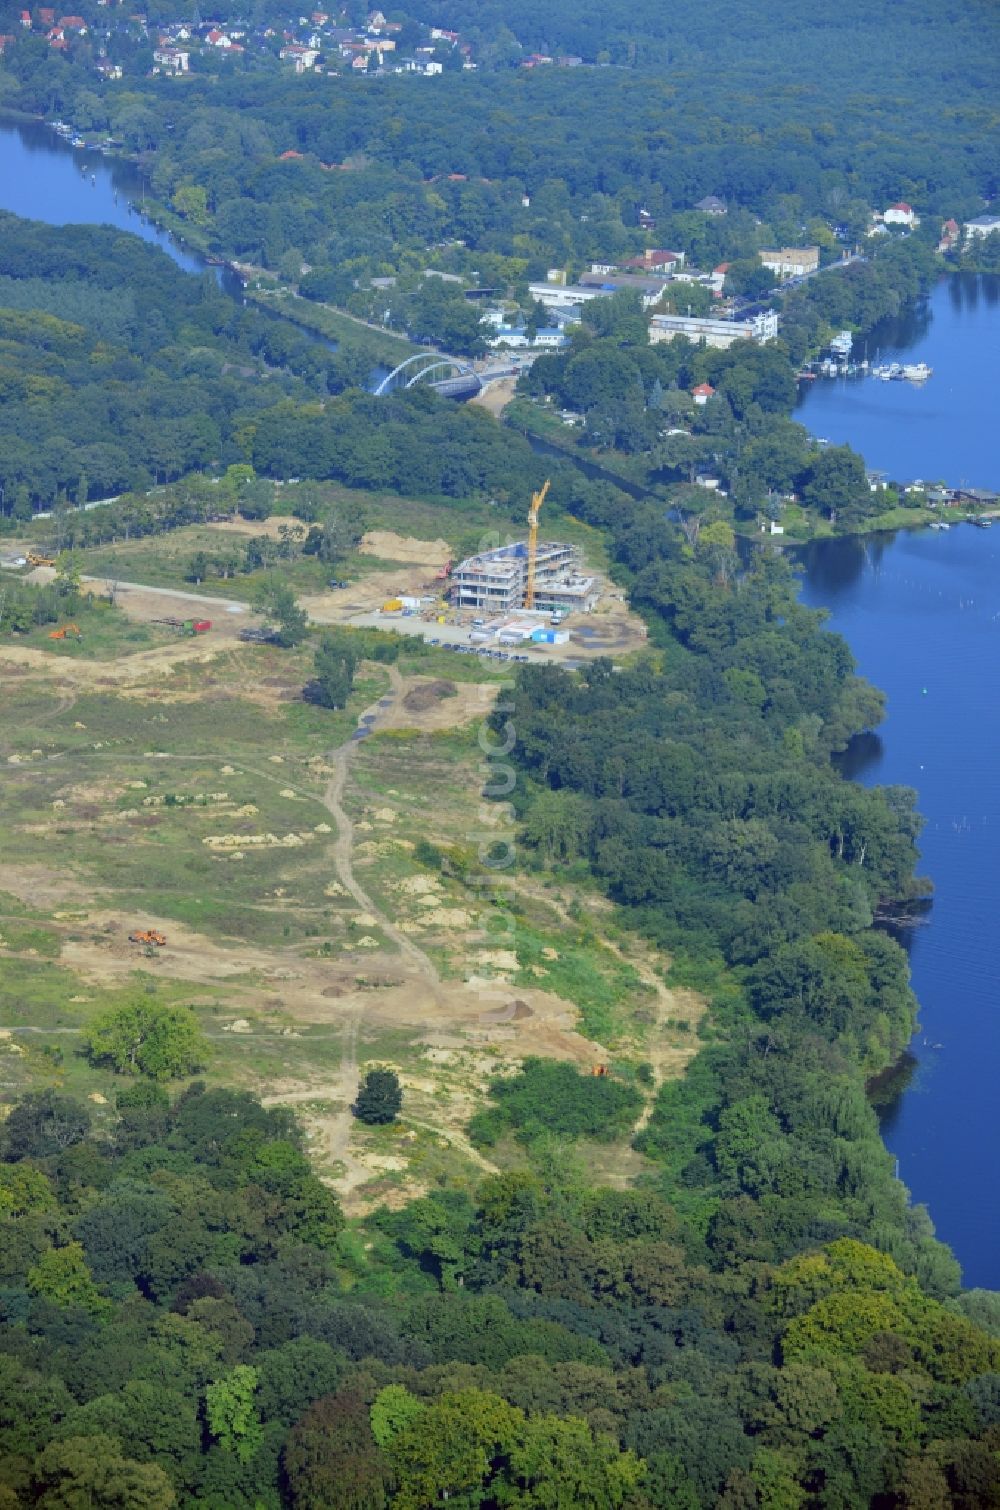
(338, 605)
(427, 705)
(496, 396)
(270, 527)
(388, 546)
(41, 887)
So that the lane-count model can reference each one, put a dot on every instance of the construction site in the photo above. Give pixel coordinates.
(527, 575)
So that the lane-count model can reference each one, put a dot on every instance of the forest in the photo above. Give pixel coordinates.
(187, 1321)
(119, 371)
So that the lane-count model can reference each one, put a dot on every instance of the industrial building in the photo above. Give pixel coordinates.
(719, 333)
(496, 582)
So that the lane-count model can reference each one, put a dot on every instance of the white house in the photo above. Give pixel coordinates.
(172, 58)
(982, 225)
(901, 214)
(791, 261)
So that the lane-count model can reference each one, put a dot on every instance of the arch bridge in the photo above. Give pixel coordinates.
(462, 380)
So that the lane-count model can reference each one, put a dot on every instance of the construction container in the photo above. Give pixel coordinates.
(393, 605)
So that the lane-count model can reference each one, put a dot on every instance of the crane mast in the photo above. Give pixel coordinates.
(537, 499)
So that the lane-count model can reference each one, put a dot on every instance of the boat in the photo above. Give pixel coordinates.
(983, 522)
(939, 524)
(841, 344)
(916, 372)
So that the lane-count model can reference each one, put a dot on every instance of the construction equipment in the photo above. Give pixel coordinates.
(150, 936)
(65, 632)
(537, 499)
(392, 605)
(444, 572)
(35, 560)
(187, 626)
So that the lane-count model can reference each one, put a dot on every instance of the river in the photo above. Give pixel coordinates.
(943, 429)
(43, 178)
(920, 611)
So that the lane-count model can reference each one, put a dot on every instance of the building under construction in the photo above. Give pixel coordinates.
(496, 582)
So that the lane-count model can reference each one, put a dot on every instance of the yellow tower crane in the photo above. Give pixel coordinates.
(537, 499)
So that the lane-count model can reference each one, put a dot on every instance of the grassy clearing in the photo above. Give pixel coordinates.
(106, 634)
(205, 810)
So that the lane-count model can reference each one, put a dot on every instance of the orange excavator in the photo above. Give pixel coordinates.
(65, 632)
(151, 936)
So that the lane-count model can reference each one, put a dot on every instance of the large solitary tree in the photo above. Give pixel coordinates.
(146, 1037)
(379, 1098)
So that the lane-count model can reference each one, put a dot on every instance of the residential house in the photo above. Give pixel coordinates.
(6, 39)
(982, 225)
(702, 393)
(711, 205)
(217, 38)
(949, 236)
(73, 23)
(25, 19)
(173, 59)
(901, 214)
(791, 261)
(303, 57)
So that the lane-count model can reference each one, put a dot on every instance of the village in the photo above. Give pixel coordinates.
(323, 42)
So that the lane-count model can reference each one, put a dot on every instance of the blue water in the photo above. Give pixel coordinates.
(44, 178)
(921, 613)
(944, 429)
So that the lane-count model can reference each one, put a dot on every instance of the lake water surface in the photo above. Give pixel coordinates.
(945, 429)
